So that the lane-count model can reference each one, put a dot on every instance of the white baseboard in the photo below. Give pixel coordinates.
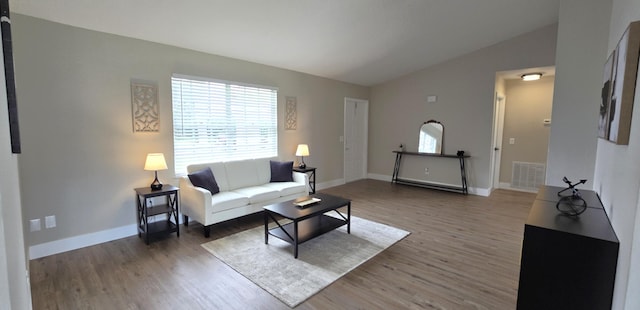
(504, 185)
(77, 242)
(479, 191)
(379, 177)
(472, 190)
(328, 184)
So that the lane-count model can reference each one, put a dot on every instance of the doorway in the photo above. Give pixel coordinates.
(356, 118)
(522, 120)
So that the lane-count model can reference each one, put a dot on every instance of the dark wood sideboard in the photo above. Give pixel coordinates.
(567, 262)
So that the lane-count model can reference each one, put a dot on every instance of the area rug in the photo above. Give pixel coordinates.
(321, 261)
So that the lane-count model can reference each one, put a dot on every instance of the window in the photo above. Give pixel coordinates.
(220, 121)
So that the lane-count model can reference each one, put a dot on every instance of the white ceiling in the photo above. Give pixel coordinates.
(365, 42)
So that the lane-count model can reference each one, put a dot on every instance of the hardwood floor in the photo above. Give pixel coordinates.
(463, 253)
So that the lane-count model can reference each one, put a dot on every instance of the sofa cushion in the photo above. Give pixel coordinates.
(242, 173)
(228, 200)
(219, 171)
(281, 171)
(288, 188)
(258, 194)
(264, 169)
(205, 179)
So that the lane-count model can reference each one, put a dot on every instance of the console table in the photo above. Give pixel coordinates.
(567, 262)
(463, 175)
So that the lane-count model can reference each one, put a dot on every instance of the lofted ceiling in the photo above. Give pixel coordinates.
(365, 42)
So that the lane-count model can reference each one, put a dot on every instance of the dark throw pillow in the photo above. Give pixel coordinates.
(281, 171)
(205, 179)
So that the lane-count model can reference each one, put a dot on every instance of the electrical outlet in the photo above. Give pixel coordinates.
(50, 221)
(426, 171)
(34, 225)
(512, 140)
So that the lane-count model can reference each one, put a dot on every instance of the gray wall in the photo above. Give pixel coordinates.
(582, 35)
(81, 159)
(528, 103)
(465, 89)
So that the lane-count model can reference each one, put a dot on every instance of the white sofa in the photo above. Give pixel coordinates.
(245, 188)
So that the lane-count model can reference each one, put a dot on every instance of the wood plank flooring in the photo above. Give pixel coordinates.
(463, 253)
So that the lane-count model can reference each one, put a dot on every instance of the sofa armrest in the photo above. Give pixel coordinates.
(194, 201)
(302, 178)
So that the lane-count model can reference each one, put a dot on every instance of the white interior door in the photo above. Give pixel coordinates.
(356, 116)
(497, 138)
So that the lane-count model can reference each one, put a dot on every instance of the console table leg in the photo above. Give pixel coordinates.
(463, 176)
(396, 168)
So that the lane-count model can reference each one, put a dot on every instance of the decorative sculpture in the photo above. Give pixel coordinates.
(573, 204)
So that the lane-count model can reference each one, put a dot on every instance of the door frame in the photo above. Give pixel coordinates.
(498, 131)
(365, 130)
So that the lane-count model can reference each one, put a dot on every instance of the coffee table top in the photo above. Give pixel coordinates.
(290, 211)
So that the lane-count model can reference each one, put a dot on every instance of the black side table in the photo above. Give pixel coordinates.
(146, 210)
(312, 176)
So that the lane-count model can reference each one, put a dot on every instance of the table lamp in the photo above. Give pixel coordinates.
(155, 162)
(302, 151)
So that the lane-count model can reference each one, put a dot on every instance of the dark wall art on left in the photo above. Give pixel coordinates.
(7, 51)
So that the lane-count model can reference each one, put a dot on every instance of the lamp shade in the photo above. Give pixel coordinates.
(303, 150)
(155, 162)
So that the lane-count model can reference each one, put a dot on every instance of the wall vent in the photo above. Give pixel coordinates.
(527, 176)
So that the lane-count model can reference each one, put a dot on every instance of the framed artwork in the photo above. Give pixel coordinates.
(623, 83)
(144, 106)
(603, 119)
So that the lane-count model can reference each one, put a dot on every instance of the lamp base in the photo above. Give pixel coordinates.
(302, 164)
(156, 185)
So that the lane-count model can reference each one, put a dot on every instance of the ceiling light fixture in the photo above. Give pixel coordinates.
(531, 76)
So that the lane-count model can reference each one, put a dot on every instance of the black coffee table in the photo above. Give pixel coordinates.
(308, 222)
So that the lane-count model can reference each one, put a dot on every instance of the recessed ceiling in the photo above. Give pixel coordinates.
(364, 42)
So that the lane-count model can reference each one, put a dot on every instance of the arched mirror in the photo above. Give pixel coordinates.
(431, 134)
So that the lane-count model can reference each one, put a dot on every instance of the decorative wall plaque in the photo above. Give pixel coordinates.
(144, 105)
(291, 111)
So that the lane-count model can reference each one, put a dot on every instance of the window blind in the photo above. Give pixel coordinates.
(221, 121)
